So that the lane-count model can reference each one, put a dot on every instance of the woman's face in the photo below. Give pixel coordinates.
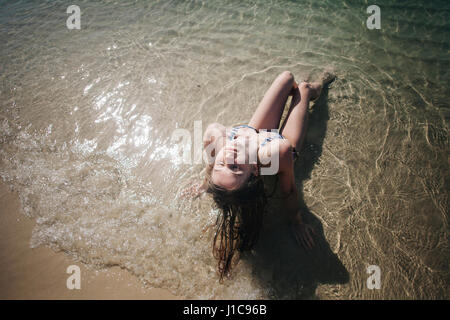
(232, 166)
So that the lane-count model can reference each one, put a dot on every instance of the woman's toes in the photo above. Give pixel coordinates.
(316, 88)
(303, 85)
(328, 77)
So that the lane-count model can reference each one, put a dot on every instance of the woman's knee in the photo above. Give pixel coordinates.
(286, 77)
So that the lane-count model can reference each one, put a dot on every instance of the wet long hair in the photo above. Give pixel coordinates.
(239, 221)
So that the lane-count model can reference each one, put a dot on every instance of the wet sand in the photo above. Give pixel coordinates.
(40, 273)
(89, 141)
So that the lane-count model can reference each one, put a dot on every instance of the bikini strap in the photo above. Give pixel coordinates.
(235, 129)
(268, 139)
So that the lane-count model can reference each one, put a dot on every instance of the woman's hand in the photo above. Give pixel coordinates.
(303, 233)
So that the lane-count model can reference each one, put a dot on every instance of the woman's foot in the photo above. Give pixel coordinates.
(314, 89)
(311, 90)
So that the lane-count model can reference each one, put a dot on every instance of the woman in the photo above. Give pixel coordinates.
(237, 157)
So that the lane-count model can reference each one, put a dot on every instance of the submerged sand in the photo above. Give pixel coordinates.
(40, 273)
(87, 116)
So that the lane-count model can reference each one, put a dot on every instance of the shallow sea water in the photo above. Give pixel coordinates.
(86, 119)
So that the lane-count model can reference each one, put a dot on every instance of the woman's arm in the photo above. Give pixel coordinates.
(287, 179)
(302, 231)
(212, 142)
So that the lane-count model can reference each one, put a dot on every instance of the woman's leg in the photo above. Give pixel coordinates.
(268, 114)
(296, 122)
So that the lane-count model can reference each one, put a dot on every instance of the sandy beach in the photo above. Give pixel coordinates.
(101, 127)
(40, 273)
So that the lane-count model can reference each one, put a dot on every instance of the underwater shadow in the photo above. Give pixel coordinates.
(286, 270)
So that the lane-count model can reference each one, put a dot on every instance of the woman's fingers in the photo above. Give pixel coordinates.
(303, 237)
(311, 239)
(299, 239)
(307, 240)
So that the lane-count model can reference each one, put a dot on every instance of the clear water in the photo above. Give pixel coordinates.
(86, 118)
